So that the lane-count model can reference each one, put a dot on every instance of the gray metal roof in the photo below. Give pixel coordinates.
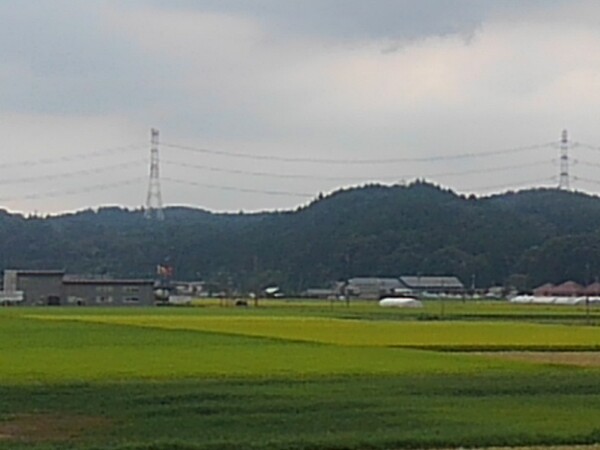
(35, 272)
(374, 281)
(106, 281)
(428, 282)
(318, 291)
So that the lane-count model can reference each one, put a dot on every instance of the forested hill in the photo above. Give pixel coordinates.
(526, 238)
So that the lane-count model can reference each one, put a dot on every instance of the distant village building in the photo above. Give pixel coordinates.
(36, 286)
(593, 289)
(372, 288)
(190, 288)
(108, 292)
(54, 288)
(322, 293)
(421, 284)
(567, 289)
(544, 290)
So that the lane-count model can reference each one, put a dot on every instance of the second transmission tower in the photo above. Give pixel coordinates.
(154, 205)
(564, 178)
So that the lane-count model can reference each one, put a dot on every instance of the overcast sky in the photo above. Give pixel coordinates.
(332, 82)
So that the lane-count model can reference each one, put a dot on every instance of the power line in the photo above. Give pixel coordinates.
(258, 173)
(358, 161)
(107, 186)
(72, 174)
(586, 163)
(74, 157)
(492, 169)
(307, 195)
(154, 189)
(352, 178)
(511, 185)
(587, 180)
(239, 189)
(588, 146)
(79, 190)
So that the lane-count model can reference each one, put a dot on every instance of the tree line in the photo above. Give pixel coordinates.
(521, 239)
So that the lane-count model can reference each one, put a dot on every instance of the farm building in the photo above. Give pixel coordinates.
(433, 284)
(35, 286)
(322, 293)
(53, 288)
(377, 288)
(108, 292)
(372, 288)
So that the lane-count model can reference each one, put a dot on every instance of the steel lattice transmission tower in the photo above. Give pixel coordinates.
(154, 205)
(564, 178)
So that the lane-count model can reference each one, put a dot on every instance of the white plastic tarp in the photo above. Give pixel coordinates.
(405, 302)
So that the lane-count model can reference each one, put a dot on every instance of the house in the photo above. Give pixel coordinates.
(433, 284)
(54, 287)
(543, 290)
(567, 289)
(593, 289)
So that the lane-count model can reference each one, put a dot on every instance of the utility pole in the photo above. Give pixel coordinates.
(564, 178)
(587, 294)
(154, 205)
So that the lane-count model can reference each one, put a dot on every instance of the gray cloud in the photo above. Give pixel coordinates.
(385, 19)
(293, 78)
(353, 19)
(59, 57)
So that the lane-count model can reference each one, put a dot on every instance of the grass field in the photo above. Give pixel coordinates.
(300, 376)
(358, 309)
(449, 335)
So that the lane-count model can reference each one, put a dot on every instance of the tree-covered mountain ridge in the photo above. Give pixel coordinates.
(523, 238)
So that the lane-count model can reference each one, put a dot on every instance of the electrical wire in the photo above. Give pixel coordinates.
(587, 180)
(587, 163)
(357, 161)
(36, 178)
(238, 189)
(588, 146)
(306, 195)
(74, 157)
(75, 191)
(252, 173)
(511, 185)
(493, 169)
(350, 178)
(263, 157)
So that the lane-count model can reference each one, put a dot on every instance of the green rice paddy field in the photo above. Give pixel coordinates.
(299, 375)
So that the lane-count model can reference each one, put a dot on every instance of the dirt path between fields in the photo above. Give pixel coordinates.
(580, 359)
(541, 447)
(49, 427)
(39, 428)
